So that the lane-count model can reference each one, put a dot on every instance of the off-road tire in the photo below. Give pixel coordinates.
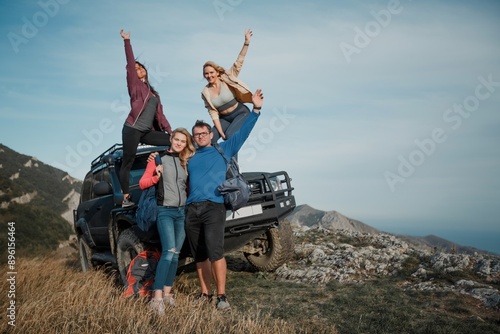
(85, 255)
(127, 247)
(276, 246)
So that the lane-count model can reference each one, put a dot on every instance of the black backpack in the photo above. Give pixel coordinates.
(235, 189)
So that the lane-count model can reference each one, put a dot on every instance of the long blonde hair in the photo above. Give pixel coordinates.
(218, 68)
(189, 150)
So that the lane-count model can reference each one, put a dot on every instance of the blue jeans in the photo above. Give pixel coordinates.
(170, 224)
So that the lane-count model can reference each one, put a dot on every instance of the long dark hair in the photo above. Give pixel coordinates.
(147, 79)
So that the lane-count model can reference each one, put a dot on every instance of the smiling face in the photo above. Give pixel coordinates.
(178, 142)
(210, 74)
(202, 136)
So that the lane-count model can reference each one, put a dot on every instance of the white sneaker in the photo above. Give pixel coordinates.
(157, 306)
(169, 300)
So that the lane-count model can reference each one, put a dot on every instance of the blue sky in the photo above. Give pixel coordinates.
(385, 111)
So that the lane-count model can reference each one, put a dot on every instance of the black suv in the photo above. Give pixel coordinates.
(107, 233)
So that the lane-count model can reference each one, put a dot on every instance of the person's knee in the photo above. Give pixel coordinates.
(168, 254)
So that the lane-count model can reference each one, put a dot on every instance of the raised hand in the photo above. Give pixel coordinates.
(257, 99)
(248, 36)
(125, 35)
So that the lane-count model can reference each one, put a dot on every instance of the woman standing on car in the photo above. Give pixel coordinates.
(169, 175)
(225, 94)
(145, 123)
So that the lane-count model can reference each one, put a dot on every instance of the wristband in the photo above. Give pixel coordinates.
(257, 108)
(246, 44)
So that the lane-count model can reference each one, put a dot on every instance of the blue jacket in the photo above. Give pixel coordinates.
(207, 168)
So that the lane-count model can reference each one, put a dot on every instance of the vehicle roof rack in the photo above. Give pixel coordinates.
(110, 150)
(117, 147)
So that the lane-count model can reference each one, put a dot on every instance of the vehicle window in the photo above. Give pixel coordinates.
(137, 170)
(101, 176)
(87, 187)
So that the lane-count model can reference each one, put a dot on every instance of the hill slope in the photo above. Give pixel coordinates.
(37, 198)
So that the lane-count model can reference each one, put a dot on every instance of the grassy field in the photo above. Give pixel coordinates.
(53, 296)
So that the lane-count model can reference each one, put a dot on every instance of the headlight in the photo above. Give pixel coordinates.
(275, 184)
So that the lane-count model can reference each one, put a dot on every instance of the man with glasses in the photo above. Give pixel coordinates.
(205, 212)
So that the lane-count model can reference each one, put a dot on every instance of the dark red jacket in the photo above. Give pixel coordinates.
(140, 93)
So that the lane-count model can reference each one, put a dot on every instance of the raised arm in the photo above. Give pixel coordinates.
(238, 64)
(248, 37)
(129, 54)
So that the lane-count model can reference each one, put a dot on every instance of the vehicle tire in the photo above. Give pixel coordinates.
(85, 255)
(273, 249)
(127, 247)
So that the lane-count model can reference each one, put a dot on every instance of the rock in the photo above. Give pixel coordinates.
(348, 256)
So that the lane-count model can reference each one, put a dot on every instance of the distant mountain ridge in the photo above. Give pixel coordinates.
(306, 216)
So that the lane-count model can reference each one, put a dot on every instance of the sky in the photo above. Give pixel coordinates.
(385, 111)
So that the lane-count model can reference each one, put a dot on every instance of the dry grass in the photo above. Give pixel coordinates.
(53, 296)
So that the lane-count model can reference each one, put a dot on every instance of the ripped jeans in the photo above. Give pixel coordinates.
(170, 224)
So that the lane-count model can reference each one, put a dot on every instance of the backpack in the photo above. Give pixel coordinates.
(235, 189)
(145, 215)
(141, 274)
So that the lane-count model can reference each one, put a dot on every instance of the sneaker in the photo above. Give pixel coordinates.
(203, 298)
(127, 202)
(157, 306)
(222, 303)
(169, 300)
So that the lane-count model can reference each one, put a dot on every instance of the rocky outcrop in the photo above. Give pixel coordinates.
(72, 200)
(23, 199)
(33, 162)
(326, 254)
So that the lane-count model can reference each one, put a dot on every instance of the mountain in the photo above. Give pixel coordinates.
(38, 199)
(306, 217)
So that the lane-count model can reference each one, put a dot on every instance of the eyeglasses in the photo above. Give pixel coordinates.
(201, 134)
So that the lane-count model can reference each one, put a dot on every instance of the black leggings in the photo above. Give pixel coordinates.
(131, 138)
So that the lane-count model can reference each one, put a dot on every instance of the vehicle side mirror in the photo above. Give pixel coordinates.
(103, 188)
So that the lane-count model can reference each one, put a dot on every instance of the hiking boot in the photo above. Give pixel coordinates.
(157, 306)
(127, 202)
(169, 300)
(222, 303)
(203, 298)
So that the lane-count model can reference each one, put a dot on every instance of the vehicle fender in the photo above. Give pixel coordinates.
(121, 220)
(83, 226)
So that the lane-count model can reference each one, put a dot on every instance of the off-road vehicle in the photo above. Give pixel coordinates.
(108, 234)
